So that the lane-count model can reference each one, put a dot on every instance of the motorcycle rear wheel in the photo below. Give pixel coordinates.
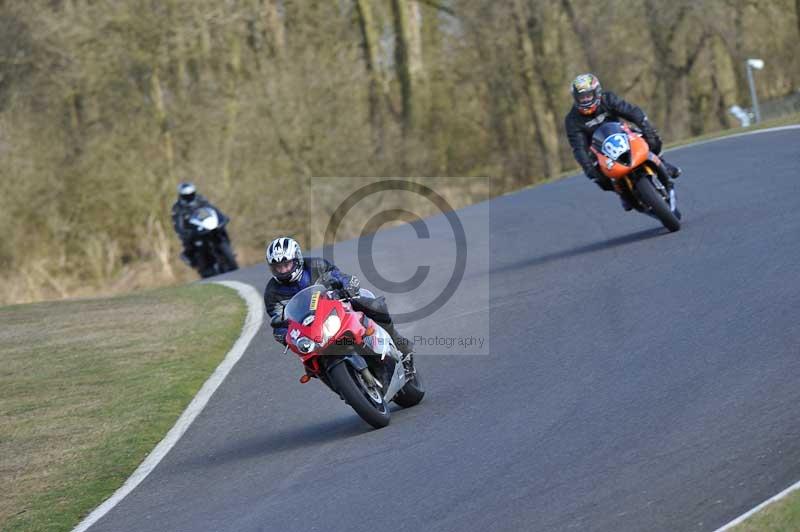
(649, 195)
(352, 389)
(412, 393)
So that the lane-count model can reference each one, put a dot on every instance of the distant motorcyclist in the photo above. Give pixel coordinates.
(291, 274)
(592, 107)
(188, 201)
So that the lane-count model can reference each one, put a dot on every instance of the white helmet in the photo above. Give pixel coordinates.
(186, 192)
(285, 259)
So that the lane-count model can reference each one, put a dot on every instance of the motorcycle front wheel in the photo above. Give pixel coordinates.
(206, 264)
(367, 402)
(227, 258)
(650, 196)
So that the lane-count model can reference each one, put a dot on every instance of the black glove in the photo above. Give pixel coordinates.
(329, 281)
(655, 143)
(651, 137)
(280, 338)
(279, 328)
(351, 288)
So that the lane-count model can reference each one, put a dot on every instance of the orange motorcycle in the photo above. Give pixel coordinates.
(637, 173)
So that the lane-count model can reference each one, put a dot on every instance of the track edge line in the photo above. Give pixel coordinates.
(733, 136)
(775, 498)
(252, 324)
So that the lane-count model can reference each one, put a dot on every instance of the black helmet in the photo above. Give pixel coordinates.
(587, 92)
(186, 192)
(285, 259)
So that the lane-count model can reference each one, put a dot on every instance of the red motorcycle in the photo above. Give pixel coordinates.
(637, 173)
(354, 356)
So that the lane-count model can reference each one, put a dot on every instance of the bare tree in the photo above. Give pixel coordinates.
(542, 116)
(369, 36)
(105, 105)
(408, 57)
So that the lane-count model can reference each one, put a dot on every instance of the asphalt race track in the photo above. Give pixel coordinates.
(633, 380)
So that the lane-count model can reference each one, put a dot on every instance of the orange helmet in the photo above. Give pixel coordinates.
(587, 92)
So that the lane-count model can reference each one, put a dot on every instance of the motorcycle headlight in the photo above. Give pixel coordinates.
(331, 326)
(209, 224)
(304, 345)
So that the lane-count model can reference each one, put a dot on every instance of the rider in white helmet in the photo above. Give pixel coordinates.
(188, 201)
(292, 273)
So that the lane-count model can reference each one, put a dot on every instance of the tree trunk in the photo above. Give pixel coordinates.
(407, 57)
(163, 122)
(415, 40)
(439, 96)
(232, 110)
(582, 33)
(205, 44)
(496, 88)
(797, 14)
(663, 28)
(369, 37)
(274, 25)
(724, 75)
(544, 129)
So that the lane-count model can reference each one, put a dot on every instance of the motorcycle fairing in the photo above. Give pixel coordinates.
(616, 157)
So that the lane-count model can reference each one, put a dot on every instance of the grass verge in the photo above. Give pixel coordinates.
(780, 516)
(90, 387)
(787, 120)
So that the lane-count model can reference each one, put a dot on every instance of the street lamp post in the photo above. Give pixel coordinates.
(758, 64)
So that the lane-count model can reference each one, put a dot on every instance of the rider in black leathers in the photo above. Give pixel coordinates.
(592, 107)
(292, 273)
(188, 201)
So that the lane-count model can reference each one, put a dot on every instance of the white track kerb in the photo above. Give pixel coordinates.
(252, 323)
(744, 516)
(255, 317)
(726, 137)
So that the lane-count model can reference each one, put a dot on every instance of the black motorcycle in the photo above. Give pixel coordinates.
(213, 253)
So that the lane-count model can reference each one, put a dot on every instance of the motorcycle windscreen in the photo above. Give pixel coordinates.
(612, 140)
(603, 132)
(202, 213)
(205, 218)
(304, 303)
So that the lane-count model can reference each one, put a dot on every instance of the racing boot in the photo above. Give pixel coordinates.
(672, 171)
(404, 345)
